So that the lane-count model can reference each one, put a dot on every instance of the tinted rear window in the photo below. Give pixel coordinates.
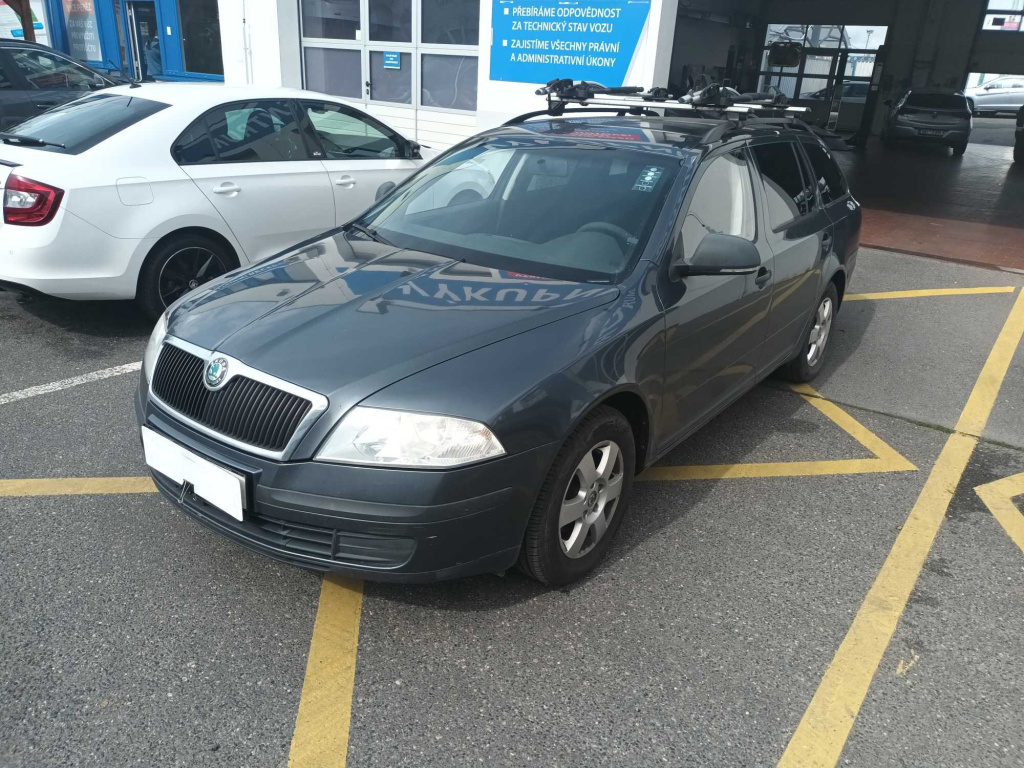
(936, 101)
(86, 122)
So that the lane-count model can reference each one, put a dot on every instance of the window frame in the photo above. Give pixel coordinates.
(791, 141)
(402, 144)
(992, 10)
(676, 245)
(312, 144)
(414, 48)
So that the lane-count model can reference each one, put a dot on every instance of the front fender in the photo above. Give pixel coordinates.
(533, 388)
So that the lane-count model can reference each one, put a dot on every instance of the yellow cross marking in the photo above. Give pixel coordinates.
(886, 458)
(927, 293)
(998, 497)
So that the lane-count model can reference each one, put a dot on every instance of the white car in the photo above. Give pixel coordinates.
(148, 191)
(1002, 94)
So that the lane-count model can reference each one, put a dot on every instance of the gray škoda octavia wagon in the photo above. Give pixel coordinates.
(470, 375)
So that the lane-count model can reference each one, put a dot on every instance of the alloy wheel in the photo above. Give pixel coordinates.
(590, 499)
(187, 269)
(819, 333)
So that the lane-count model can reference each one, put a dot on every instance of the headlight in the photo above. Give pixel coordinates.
(404, 439)
(156, 341)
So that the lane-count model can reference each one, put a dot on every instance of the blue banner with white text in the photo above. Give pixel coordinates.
(535, 41)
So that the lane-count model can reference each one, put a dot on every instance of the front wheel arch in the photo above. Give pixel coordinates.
(628, 401)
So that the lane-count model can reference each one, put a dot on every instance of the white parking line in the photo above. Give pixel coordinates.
(57, 386)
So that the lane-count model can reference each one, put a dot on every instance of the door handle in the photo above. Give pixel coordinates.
(228, 189)
(763, 276)
(345, 181)
(826, 243)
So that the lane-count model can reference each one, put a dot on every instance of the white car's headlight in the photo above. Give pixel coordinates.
(156, 341)
(405, 439)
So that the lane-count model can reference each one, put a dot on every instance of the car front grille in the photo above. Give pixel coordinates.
(244, 409)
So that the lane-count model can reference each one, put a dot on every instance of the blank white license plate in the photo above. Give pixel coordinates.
(929, 132)
(215, 485)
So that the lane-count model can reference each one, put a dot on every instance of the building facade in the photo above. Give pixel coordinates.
(144, 39)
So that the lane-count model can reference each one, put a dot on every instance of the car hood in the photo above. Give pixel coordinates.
(348, 317)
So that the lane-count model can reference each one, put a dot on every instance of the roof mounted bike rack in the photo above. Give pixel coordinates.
(712, 102)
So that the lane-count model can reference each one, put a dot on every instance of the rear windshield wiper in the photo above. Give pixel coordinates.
(368, 232)
(31, 141)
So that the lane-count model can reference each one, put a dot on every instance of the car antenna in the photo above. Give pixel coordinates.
(132, 83)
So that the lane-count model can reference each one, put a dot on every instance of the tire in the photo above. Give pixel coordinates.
(184, 254)
(1018, 154)
(959, 149)
(558, 555)
(807, 363)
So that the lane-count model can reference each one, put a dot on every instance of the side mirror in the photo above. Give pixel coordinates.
(384, 190)
(720, 255)
(414, 150)
(888, 102)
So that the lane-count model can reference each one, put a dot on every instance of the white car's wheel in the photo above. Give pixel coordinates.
(180, 264)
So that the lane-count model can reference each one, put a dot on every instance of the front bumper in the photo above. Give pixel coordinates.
(367, 522)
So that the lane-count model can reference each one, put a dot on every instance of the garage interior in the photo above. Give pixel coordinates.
(858, 56)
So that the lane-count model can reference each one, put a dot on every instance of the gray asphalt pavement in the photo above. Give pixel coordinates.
(132, 636)
(994, 130)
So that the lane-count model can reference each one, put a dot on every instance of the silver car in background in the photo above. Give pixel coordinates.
(931, 117)
(1001, 94)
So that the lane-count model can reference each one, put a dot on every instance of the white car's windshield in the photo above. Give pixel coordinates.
(502, 204)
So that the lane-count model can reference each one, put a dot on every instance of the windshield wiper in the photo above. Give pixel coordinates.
(31, 141)
(368, 232)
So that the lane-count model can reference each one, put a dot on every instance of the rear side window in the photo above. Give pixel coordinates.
(256, 132)
(5, 81)
(723, 203)
(831, 184)
(936, 101)
(784, 187)
(84, 123)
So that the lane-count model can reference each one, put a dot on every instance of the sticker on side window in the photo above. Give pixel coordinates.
(648, 179)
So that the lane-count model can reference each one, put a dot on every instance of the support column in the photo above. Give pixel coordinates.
(260, 41)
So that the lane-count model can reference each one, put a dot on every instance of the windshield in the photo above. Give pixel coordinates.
(936, 101)
(86, 122)
(503, 204)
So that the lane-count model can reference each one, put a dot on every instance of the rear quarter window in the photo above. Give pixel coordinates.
(82, 124)
(830, 181)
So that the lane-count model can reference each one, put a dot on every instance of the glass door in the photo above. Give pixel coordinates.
(144, 40)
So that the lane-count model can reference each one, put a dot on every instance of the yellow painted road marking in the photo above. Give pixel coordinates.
(886, 459)
(928, 292)
(998, 497)
(320, 739)
(76, 486)
(822, 733)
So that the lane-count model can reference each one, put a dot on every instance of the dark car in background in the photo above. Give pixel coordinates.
(34, 78)
(443, 388)
(929, 117)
